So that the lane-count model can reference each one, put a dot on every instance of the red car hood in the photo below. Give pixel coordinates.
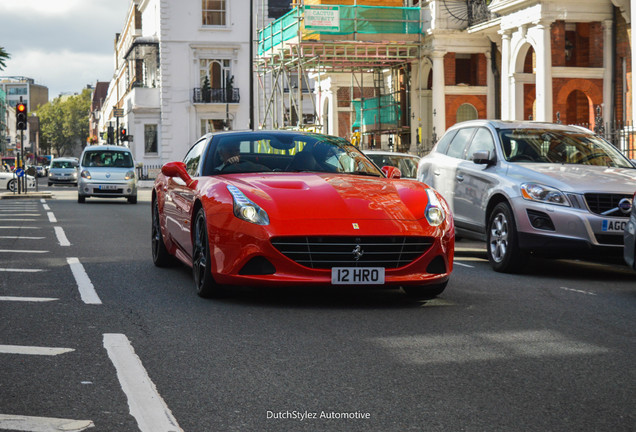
(312, 196)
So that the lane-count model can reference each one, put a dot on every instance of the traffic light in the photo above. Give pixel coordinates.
(21, 113)
(111, 135)
(123, 134)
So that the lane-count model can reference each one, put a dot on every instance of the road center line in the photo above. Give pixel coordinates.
(18, 227)
(22, 251)
(19, 270)
(578, 291)
(21, 237)
(28, 299)
(61, 237)
(33, 350)
(84, 284)
(46, 207)
(42, 424)
(51, 216)
(145, 403)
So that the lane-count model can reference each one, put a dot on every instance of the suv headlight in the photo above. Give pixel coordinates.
(246, 209)
(434, 212)
(545, 194)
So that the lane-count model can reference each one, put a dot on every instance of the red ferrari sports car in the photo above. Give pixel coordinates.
(288, 208)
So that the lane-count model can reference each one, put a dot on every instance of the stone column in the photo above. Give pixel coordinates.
(608, 69)
(505, 75)
(544, 72)
(490, 85)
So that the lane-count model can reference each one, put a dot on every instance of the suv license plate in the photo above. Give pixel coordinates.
(357, 275)
(614, 225)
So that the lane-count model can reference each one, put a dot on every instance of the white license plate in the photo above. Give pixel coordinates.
(614, 225)
(357, 275)
(107, 187)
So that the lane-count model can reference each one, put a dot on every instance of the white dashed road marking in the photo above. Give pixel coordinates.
(84, 284)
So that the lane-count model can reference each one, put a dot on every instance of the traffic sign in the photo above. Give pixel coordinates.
(19, 172)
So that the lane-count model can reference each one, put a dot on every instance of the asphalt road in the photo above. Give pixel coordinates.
(92, 334)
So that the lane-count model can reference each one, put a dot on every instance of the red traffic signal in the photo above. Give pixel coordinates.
(21, 113)
(123, 133)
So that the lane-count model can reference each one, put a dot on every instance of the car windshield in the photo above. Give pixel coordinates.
(287, 152)
(63, 164)
(406, 164)
(107, 158)
(560, 146)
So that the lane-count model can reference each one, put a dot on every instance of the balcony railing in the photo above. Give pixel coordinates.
(222, 95)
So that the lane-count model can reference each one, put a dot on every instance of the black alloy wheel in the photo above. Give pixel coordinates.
(201, 262)
(160, 255)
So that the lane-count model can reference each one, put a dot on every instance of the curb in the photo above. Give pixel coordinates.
(28, 195)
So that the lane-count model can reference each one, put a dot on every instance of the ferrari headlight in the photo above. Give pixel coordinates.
(434, 213)
(544, 194)
(246, 209)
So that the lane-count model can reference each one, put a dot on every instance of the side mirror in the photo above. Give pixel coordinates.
(178, 169)
(392, 172)
(483, 157)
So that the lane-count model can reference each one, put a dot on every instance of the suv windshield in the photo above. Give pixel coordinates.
(556, 146)
(107, 158)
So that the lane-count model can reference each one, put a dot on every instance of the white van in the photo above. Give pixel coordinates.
(107, 171)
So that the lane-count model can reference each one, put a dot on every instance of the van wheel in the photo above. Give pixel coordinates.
(81, 199)
(502, 244)
(132, 199)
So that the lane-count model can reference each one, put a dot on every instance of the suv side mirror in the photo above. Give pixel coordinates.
(483, 157)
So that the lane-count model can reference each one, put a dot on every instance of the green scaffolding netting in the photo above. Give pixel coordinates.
(376, 113)
(353, 19)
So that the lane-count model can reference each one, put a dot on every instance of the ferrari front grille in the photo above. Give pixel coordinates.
(327, 252)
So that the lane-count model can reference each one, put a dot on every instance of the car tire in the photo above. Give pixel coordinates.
(132, 199)
(81, 199)
(160, 255)
(50, 183)
(201, 259)
(502, 243)
(425, 292)
(11, 185)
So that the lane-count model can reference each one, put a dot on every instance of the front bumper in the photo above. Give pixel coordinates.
(551, 228)
(235, 249)
(106, 189)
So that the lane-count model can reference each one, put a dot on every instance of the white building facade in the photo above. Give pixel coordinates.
(182, 69)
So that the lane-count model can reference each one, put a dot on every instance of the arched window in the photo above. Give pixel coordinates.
(466, 112)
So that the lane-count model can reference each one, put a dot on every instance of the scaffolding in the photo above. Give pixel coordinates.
(374, 45)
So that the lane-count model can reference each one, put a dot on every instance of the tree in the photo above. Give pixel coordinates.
(4, 56)
(64, 123)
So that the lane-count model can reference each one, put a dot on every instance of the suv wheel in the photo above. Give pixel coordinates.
(502, 244)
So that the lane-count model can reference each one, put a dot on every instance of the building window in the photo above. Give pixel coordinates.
(213, 125)
(466, 112)
(217, 71)
(214, 12)
(150, 139)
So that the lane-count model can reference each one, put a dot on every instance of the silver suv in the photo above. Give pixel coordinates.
(532, 188)
(107, 172)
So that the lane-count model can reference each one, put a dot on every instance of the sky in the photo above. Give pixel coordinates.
(62, 44)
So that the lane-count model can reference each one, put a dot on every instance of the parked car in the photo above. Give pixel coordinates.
(9, 181)
(629, 251)
(107, 172)
(287, 208)
(63, 170)
(405, 162)
(527, 187)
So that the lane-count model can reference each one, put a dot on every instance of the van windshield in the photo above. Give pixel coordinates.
(107, 158)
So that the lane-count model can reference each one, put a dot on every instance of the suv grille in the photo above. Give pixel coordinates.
(327, 252)
(602, 203)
